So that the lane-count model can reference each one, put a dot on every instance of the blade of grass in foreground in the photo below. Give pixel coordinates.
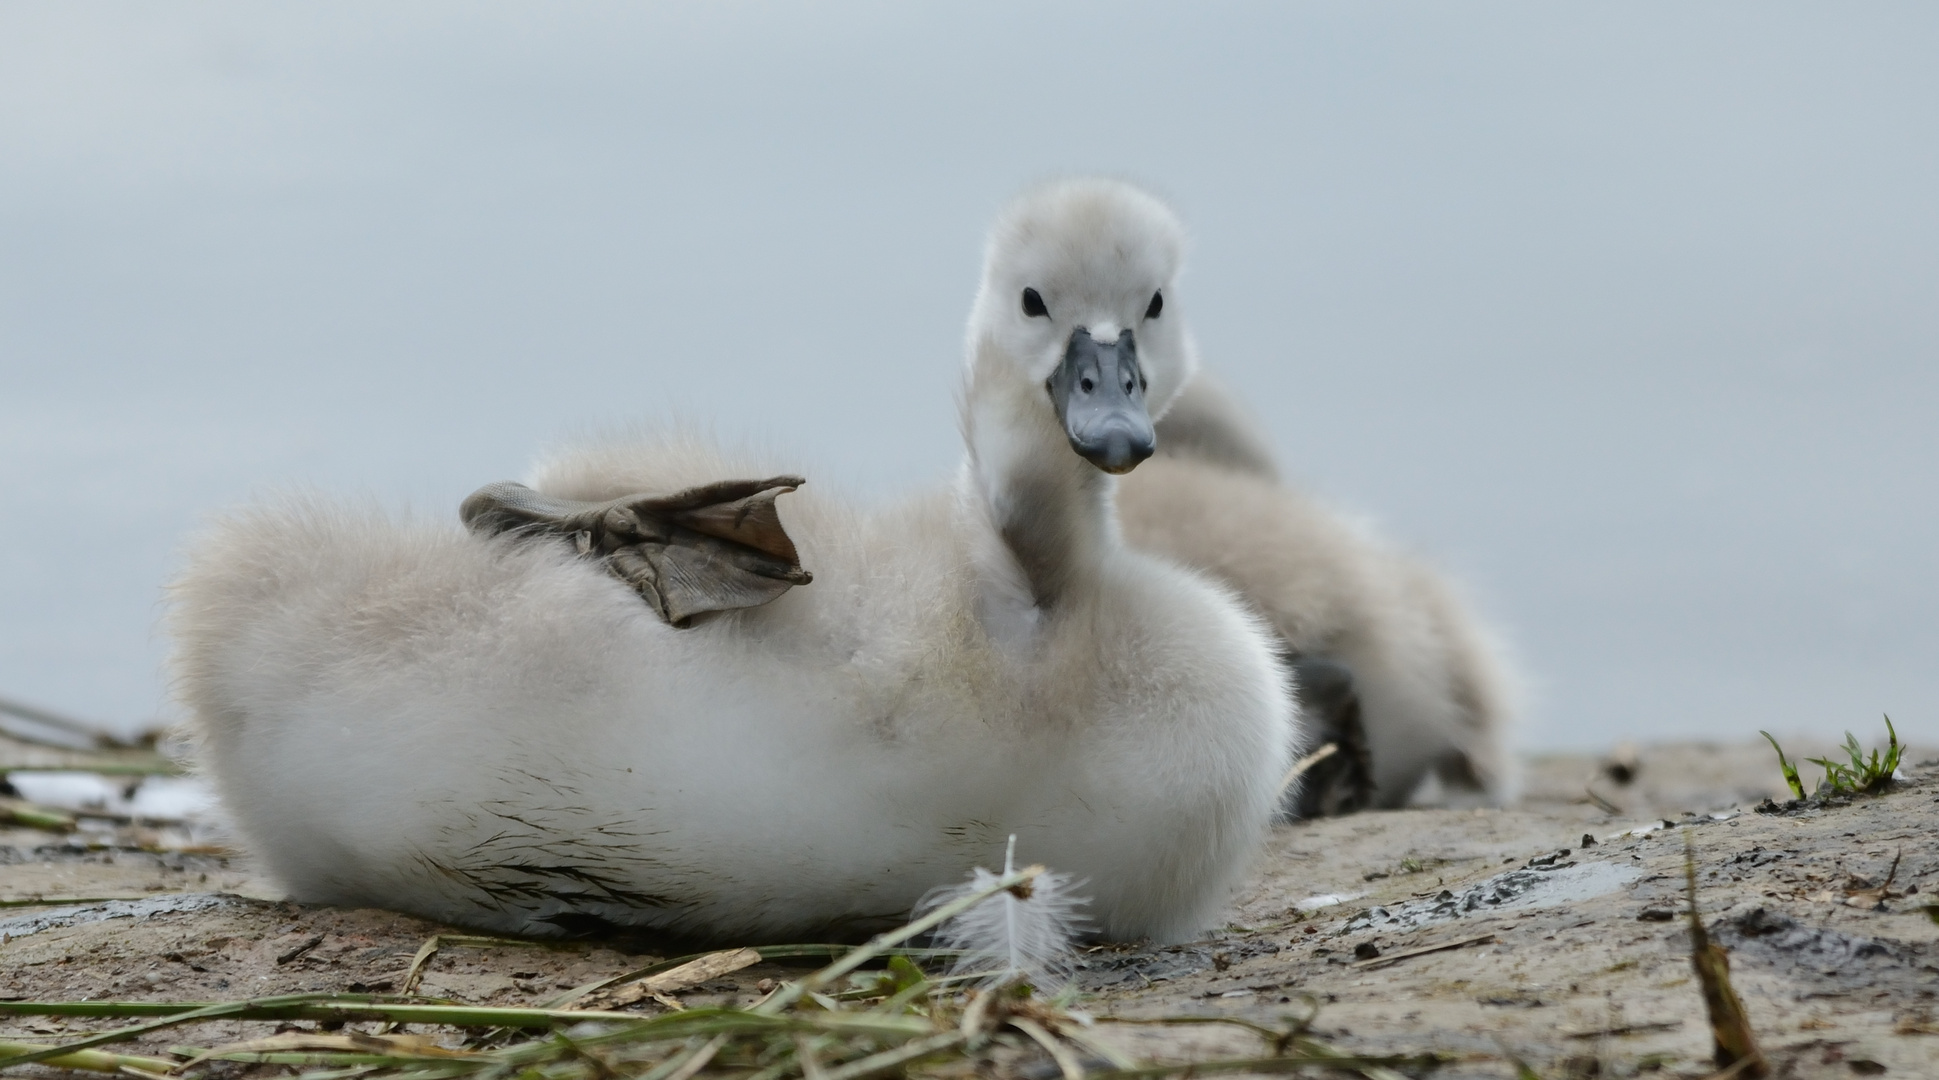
(86, 1060)
(331, 1008)
(326, 1007)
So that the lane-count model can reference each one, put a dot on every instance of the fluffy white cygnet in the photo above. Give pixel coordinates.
(1426, 680)
(497, 732)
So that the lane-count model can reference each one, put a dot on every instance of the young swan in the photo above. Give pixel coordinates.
(498, 733)
(1385, 648)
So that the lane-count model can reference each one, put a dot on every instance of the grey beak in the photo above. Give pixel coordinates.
(1099, 392)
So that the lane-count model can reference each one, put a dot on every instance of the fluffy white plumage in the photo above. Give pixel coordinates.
(1438, 696)
(1017, 935)
(499, 733)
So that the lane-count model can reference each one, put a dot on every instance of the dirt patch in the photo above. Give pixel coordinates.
(1573, 956)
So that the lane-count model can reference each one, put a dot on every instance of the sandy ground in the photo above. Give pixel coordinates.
(1565, 953)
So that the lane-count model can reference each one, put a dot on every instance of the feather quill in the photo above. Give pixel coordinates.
(1023, 935)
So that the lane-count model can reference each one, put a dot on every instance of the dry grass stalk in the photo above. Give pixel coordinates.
(1602, 804)
(685, 977)
(379, 1047)
(1626, 1029)
(1735, 1045)
(27, 815)
(68, 901)
(326, 1008)
(129, 763)
(767, 952)
(85, 1060)
(1875, 897)
(33, 739)
(1305, 764)
(437, 943)
(1067, 1062)
(1394, 958)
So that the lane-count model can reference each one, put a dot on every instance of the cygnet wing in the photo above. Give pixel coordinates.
(717, 547)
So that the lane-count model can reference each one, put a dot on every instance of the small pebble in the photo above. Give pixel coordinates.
(1366, 950)
(1587, 841)
(1657, 914)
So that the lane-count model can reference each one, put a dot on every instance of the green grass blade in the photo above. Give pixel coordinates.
(1790, 771)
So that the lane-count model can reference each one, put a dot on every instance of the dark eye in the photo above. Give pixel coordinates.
(1157, 305)
(1033, 304)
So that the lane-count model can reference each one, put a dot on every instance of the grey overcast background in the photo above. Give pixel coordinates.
(1627, 314)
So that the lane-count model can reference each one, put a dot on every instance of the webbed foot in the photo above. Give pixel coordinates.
(717, 547)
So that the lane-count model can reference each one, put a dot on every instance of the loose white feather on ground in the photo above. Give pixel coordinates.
(1024, 935)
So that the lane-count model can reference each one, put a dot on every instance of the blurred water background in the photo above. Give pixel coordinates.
(1628, 315)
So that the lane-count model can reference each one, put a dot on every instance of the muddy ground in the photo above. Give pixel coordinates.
(1568, 954)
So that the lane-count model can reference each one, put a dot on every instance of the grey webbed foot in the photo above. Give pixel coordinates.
(717, 547)
(1342, 782)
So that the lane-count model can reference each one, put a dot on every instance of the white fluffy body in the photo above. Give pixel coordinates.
(1438, 699)
(499, 734)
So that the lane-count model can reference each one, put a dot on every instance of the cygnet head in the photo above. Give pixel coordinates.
(1077, 315)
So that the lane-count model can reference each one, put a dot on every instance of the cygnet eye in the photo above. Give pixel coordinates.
(1157, 305)
(1033, 304)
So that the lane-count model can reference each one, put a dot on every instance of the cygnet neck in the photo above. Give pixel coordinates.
(1051, 512)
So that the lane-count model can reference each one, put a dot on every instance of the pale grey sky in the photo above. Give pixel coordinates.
(1626, 314)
